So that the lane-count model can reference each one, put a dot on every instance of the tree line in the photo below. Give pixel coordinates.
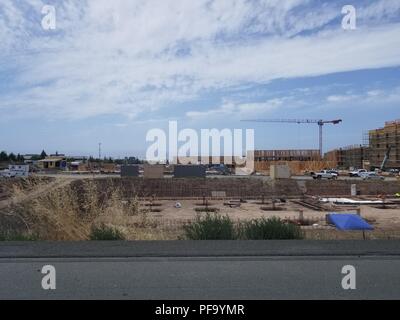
(11, 157)
(7, 157)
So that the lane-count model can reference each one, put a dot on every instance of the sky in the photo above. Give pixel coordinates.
(111, 71)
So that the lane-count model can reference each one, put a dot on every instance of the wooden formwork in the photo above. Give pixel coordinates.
(296, 167)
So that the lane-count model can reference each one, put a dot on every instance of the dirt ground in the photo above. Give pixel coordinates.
(246, 211)
(163, 221)
(387, 218)
(386, 222)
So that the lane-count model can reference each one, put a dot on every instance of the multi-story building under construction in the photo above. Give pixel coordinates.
(349, 157)
(298, 160)
(384, 141)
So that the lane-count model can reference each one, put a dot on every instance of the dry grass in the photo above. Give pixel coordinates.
(70, 213)
(53, 215)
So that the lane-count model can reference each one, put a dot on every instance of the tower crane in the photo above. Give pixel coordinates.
(320, 124)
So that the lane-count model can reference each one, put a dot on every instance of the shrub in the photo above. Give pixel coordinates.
(14, 236)
(217, 227)
(269, 229)
(104, 232)
(210, 227)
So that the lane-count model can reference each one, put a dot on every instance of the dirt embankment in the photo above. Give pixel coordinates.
(8, 186)
(68, 210)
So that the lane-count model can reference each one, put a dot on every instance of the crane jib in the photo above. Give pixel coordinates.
(300, 121)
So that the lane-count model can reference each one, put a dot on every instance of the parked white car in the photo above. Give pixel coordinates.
(357, 173)
(7, 174)
(15, 170)
(325, 174)
(371, 176)
(394, 172)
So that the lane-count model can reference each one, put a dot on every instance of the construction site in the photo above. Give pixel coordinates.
(380, 150)
(60, 208)
(355, 156)
(299, 161)
(157, 202)
(385, 143)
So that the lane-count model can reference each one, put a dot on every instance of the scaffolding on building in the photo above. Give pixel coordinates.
(383, 139)
(353, 156)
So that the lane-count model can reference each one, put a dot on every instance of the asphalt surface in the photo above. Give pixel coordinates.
(201, 270)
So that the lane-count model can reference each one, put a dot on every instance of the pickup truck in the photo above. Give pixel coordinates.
(325, 174)
(357, 173)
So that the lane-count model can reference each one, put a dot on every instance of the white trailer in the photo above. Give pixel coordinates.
(15, 170)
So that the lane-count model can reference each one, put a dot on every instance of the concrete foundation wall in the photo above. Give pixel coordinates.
(343, 188)
(280, 172)
(197, 187)
(182, 171)
(153, 171)
(130, 171)
(250, 188)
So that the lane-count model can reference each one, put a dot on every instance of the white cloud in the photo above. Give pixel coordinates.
(374, 93)
(134, 57)
(382, 97)
(379, 10)
(239, 110)
(120, 125)
(375, 96)
(341, 98)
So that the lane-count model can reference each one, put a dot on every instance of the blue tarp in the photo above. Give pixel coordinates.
(346, 221)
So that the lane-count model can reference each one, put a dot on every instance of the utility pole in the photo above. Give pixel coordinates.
(99, 150)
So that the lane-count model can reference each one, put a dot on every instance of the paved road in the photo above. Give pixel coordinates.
(193, 270)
